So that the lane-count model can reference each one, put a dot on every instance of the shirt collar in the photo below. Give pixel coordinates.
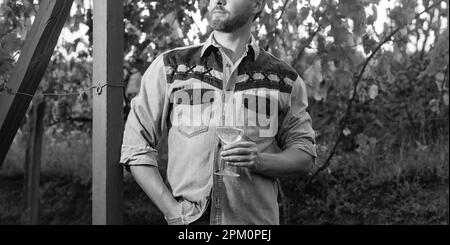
(211, 42)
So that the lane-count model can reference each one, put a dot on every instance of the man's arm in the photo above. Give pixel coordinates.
(149, 179)
(143, 129)
(295, 137)
(289, 161)
(245, 154)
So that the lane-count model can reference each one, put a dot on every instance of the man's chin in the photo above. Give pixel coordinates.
(221, 29)
(217, 26)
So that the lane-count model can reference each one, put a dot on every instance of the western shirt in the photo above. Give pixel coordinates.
(187, 93)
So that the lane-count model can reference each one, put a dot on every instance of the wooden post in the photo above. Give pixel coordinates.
(27, 74)
(33, 164)
(107, 113)
(447, 206)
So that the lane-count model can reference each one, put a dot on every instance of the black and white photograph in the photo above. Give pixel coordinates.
(238, 113)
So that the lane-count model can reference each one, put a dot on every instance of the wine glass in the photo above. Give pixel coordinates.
(228, 135)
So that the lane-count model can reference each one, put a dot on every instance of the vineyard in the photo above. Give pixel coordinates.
(377, 79)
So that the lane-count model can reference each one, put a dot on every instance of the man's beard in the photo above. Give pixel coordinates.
(228, 24)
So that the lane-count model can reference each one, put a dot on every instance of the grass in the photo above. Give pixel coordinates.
(406, 187)
(66, 200)
(68, 154)
(409, 186)
(65, 185)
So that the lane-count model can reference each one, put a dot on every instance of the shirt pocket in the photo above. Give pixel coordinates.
(191, 116)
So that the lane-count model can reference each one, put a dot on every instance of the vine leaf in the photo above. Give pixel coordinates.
(11, 43)
(438, 55)
(304, 13)
(343, 78)
(354, 10)
(373, 91)
(369, 44)
(445, 98)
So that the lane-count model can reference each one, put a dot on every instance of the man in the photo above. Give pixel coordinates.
(183, 94)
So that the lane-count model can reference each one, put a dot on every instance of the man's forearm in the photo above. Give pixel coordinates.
(150, 181)
(286, 162)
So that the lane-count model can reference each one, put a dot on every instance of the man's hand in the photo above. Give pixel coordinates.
(174, 211)
(149, 179)
(242, 154)
(245, 154)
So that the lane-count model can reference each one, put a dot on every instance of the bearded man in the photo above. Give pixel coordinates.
(191, 94)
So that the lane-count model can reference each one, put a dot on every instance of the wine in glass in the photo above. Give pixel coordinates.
(229, 135)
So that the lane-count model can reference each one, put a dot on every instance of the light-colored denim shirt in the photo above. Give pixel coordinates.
(183, 94)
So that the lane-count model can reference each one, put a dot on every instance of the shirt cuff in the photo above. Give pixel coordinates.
(176, 221)
(304, 145)
(138, 155)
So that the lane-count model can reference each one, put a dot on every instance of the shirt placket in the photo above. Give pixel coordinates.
(218, 188)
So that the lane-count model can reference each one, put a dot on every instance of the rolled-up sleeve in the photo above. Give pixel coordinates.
(144, 125)
(296, 130)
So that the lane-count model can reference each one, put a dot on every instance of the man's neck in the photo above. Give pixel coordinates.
(234, 43)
